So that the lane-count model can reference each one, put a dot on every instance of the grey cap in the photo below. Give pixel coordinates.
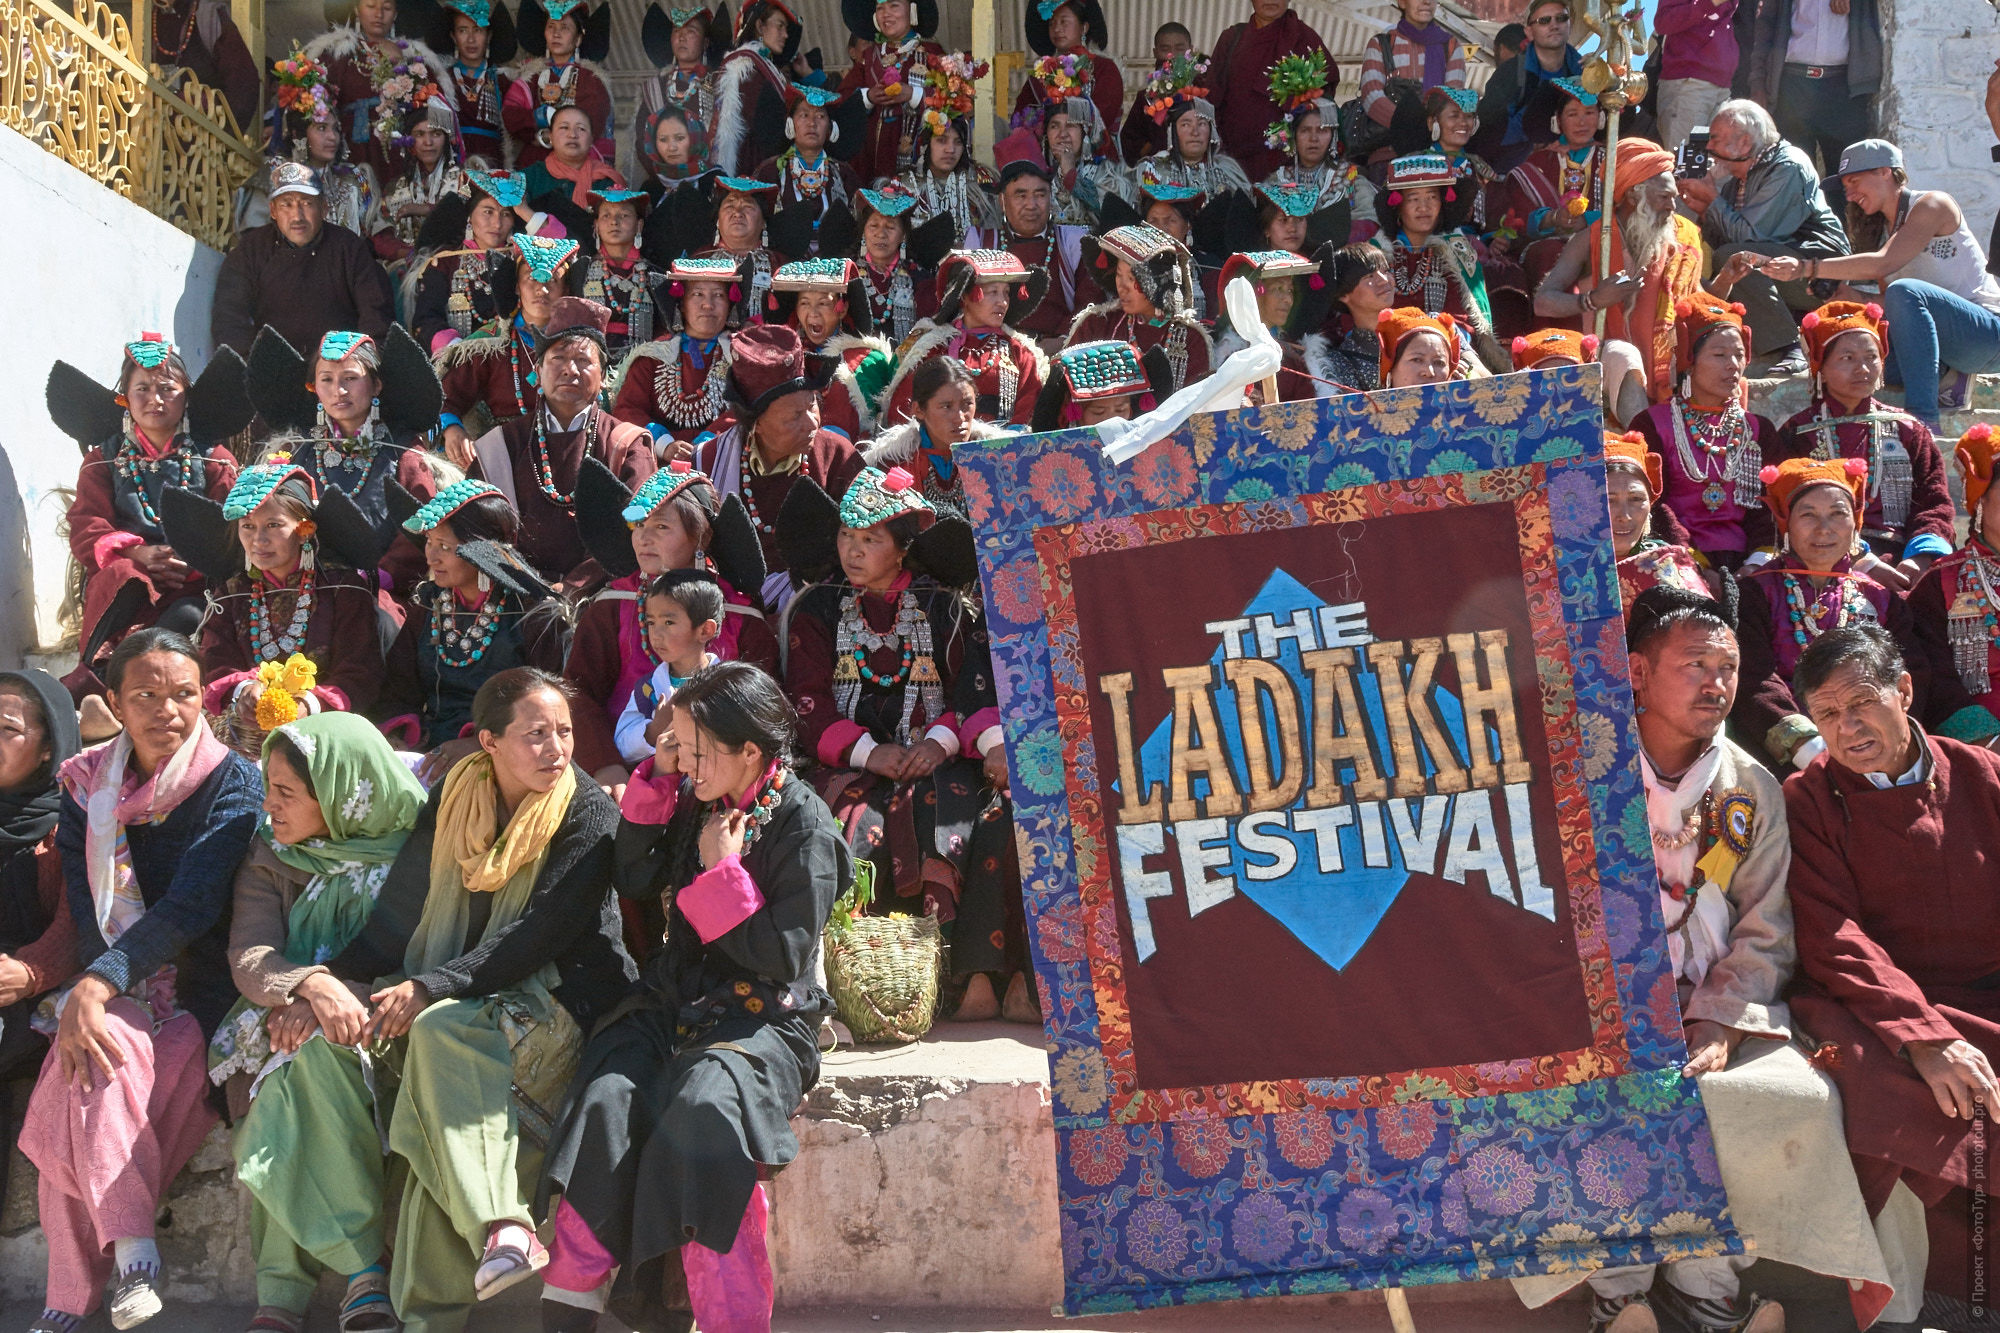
(1868, 154)
(288, 177)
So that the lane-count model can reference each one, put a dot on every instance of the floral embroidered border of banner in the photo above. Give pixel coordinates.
(1593, 1156)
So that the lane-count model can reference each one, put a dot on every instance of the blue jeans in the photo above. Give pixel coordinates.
(1931, 329)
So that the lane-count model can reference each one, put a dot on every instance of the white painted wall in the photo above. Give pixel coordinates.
(1933, 104)
(90, 271)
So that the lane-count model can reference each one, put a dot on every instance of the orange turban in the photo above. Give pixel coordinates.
(1532, 349)
(1395, 327)
(1639, 160)
(1975, 460)
(1793, 475)
(1628, 453)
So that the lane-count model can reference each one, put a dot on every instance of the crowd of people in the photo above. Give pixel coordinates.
(454, 786)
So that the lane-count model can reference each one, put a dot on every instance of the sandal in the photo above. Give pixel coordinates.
(275, 1319)
(504, 1266)
(135, 1297)
(365, 1308)
(1608, 1314)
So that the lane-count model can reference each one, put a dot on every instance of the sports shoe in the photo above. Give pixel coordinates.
(135, 1298)
(1631, 1313)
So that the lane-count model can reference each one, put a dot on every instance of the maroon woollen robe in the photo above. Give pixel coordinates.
(1899, 941)
(831, 460)
(548, 530)
(1239, 85)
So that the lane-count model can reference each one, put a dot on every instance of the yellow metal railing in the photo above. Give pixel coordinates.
(72, 79)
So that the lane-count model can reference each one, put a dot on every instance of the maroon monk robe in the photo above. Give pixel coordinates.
(1070, 288)
(1239, 84)
(548, 528)
(831, 460)
(1930, 507)
(1899, 941)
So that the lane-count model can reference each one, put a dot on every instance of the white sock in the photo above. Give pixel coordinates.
(510, 1233)
(594, 1299)
(136, 1252)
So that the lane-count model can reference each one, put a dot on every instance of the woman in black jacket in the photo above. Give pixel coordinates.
(684, 1099)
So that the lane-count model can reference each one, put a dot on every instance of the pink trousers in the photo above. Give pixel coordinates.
(730, 1293)
(106, 1156)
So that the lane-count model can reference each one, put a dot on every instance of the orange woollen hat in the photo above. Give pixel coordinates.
(1394, 327)
(1793, 475)
(1819, 328)
(1698, 316)
(1628, 453)
(1533, 349)
(1975, 459)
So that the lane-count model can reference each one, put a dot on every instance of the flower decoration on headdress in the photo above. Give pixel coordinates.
(402, 80)
(875, 496)
(1059, 76)
(286, 684)
(303, 88)
(150, 351)
(1174, 84)
(1296, 80)
(948, 90)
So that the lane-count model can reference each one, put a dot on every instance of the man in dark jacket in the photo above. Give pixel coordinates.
(1505, 136)
(299, 275)
(1817, 71)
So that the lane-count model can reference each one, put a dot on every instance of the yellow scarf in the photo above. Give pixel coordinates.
(468, 815)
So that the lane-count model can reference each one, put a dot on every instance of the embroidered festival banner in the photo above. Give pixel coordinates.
(1338, 876)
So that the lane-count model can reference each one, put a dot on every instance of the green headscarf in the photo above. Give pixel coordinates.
(370, 802)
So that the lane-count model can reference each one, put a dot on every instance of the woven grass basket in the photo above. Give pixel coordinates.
(882, 971)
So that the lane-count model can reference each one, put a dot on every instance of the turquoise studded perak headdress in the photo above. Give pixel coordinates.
(619, 196)
(479, 11)
(149, 350)
(339, 344)
(682, 17)
(1465, 99)
(821, 97)
(508, 188)
(1107, 369)
(746, 184)
(445, 503)
(556, 9)
(1575, 89)
(1293, 199)
(814, 275)
(661, 487)
(874, 497)
(543, 256)
(892, 202)
(254, 485)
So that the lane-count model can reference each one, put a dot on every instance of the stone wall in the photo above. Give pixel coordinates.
(1933, 104)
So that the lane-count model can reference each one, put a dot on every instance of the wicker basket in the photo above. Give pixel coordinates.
(882, 971)
(883, 974)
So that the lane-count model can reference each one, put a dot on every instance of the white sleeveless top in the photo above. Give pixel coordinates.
(1956, 263)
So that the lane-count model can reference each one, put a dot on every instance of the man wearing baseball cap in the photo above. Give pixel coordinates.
(298, 274)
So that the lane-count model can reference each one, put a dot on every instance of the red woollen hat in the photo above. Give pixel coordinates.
(1784, 482)
(1396, 327)
(1534, 348)
(768, 361)
(1698, 316)
(1975, 460)
(1628, 453)
(1819, 328)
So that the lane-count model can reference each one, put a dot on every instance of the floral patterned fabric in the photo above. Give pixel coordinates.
(1396, 1134)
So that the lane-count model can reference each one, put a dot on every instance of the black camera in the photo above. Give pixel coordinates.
(1691, 158)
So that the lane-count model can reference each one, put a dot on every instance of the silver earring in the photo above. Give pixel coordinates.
(485, 584)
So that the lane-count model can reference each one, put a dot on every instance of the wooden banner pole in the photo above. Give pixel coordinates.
(1399, 1310)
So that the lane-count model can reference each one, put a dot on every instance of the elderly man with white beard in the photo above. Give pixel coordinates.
(1656, 263)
